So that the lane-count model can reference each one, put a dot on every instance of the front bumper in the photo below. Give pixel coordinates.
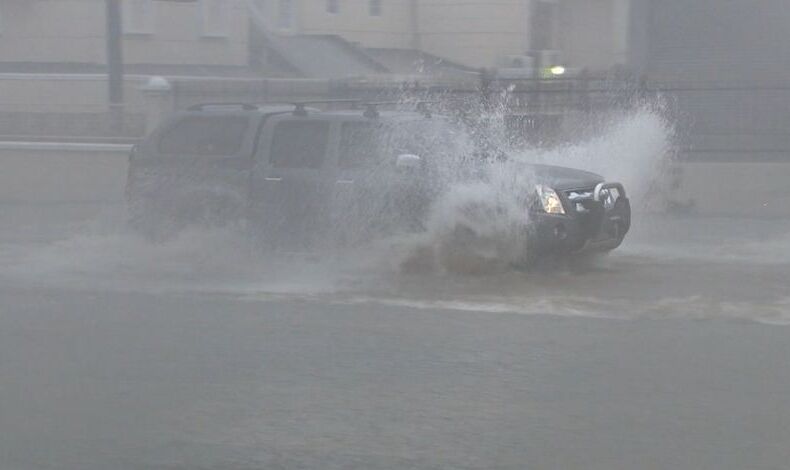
(589, 225)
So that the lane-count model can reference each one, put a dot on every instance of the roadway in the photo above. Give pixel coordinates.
(116, 353)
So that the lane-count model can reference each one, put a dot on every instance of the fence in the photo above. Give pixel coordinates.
(716, 121)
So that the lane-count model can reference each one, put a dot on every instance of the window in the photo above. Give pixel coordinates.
(204, 135)
(333, 6)
(285, 14)
(214, 18)
(138, 16)
(360, 144)
(374, 7)
(299, 144)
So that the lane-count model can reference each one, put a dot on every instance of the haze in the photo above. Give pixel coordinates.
(380, 234)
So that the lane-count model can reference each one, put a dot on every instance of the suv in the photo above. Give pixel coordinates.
(292, 173)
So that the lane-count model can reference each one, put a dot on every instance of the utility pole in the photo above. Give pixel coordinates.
(115, 61)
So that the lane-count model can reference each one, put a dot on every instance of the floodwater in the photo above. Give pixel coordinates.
(115, 353)
(201, 352)
(669, 266)
(687, 267)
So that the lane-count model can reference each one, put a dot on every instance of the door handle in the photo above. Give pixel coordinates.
(271, 178)
(345, 182)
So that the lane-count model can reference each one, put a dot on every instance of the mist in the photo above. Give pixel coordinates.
(394, 234)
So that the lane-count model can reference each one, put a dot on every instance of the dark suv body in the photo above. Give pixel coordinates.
(293, 173)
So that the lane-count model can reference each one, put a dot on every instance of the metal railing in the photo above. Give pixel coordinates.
(744, 121)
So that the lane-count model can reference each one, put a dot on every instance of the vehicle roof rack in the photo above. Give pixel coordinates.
(300, 107)
(422, 108)
(202, 106)
(371, 110)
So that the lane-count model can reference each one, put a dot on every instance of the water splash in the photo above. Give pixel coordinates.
(636, 148)
(482, 226)
(480, 223)
(476, 223)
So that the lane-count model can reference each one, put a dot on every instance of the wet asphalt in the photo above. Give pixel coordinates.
(429, 372)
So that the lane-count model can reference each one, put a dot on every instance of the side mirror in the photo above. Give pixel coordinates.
(408, 161)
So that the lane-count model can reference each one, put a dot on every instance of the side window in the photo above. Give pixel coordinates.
(361, 144)
(205, 135)
(299, 144)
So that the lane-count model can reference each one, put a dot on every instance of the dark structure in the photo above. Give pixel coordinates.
(725, 65)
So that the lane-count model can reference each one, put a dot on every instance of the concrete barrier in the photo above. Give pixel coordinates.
(34, 172)
(734, 189)
(60, 172)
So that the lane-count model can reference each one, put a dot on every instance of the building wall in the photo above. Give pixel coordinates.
(72, 31)
(593, 34)
(180, 36)
(474, 33)
(698, 40)
(353, 22)
(732, 63)
(52, 31)
(590, 34)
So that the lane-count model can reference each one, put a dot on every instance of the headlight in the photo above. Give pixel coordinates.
(609, 197)
(550, 200)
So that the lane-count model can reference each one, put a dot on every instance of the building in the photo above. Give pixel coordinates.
(580, 34)
(222, 37)
(53, 52)
(68, 36)
(711, 39)
(726, 64)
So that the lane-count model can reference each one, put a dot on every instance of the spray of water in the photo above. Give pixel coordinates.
(469, 216)
(475, 222)
(482, 226)
(479, 220)
(636, 148)
(476, 219)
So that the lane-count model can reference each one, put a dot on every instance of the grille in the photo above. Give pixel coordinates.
(581, 200)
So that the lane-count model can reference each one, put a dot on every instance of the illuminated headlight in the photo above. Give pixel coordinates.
(550, 200)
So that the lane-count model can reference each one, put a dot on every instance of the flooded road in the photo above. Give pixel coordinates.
(669, 266)
(118, 353)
